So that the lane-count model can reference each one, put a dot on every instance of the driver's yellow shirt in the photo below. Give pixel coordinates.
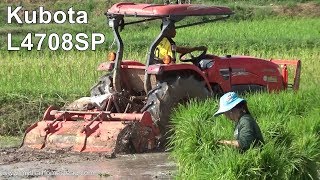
(163, 49)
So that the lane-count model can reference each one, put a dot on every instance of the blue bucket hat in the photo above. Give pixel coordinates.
(227, 102)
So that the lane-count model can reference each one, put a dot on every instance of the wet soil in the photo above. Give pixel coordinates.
(18, 164)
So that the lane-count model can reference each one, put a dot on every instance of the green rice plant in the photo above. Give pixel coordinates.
(305, 157)
(274, 160)
(278, 132)
(287, 103)
(291, 149)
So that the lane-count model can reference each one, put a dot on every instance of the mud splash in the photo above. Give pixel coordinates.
(17, 164)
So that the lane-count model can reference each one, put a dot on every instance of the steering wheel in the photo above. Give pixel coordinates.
(194, 56)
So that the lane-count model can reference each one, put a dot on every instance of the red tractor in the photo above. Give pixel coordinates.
(130, 106)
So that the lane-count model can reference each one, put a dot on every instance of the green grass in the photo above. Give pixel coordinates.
(244, 10)
(10, 141)
(19, 110)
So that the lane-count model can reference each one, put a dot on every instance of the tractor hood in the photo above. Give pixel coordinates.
(158, 10)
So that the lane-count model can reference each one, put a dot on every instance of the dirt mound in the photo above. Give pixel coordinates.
(301, 9)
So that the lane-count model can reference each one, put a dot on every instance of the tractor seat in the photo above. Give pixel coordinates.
(205, 64)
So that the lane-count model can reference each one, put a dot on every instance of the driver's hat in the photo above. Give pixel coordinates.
(227, 102)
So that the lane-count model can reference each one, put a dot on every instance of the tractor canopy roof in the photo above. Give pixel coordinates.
(169, 14)
(158, 10)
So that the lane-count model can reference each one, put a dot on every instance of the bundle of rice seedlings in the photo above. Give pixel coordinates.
(292, 139)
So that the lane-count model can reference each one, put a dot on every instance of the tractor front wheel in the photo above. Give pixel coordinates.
(103, 86)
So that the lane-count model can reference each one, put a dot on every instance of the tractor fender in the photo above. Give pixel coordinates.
(189, 69)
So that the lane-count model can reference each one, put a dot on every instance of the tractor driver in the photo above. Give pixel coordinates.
(168, 47)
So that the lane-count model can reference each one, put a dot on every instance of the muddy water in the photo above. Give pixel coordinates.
(60, 165)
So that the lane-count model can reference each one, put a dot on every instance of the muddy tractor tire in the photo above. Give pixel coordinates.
(167, 95)
(102, 86)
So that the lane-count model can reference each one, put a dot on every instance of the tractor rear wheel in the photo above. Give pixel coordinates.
(167, 95)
